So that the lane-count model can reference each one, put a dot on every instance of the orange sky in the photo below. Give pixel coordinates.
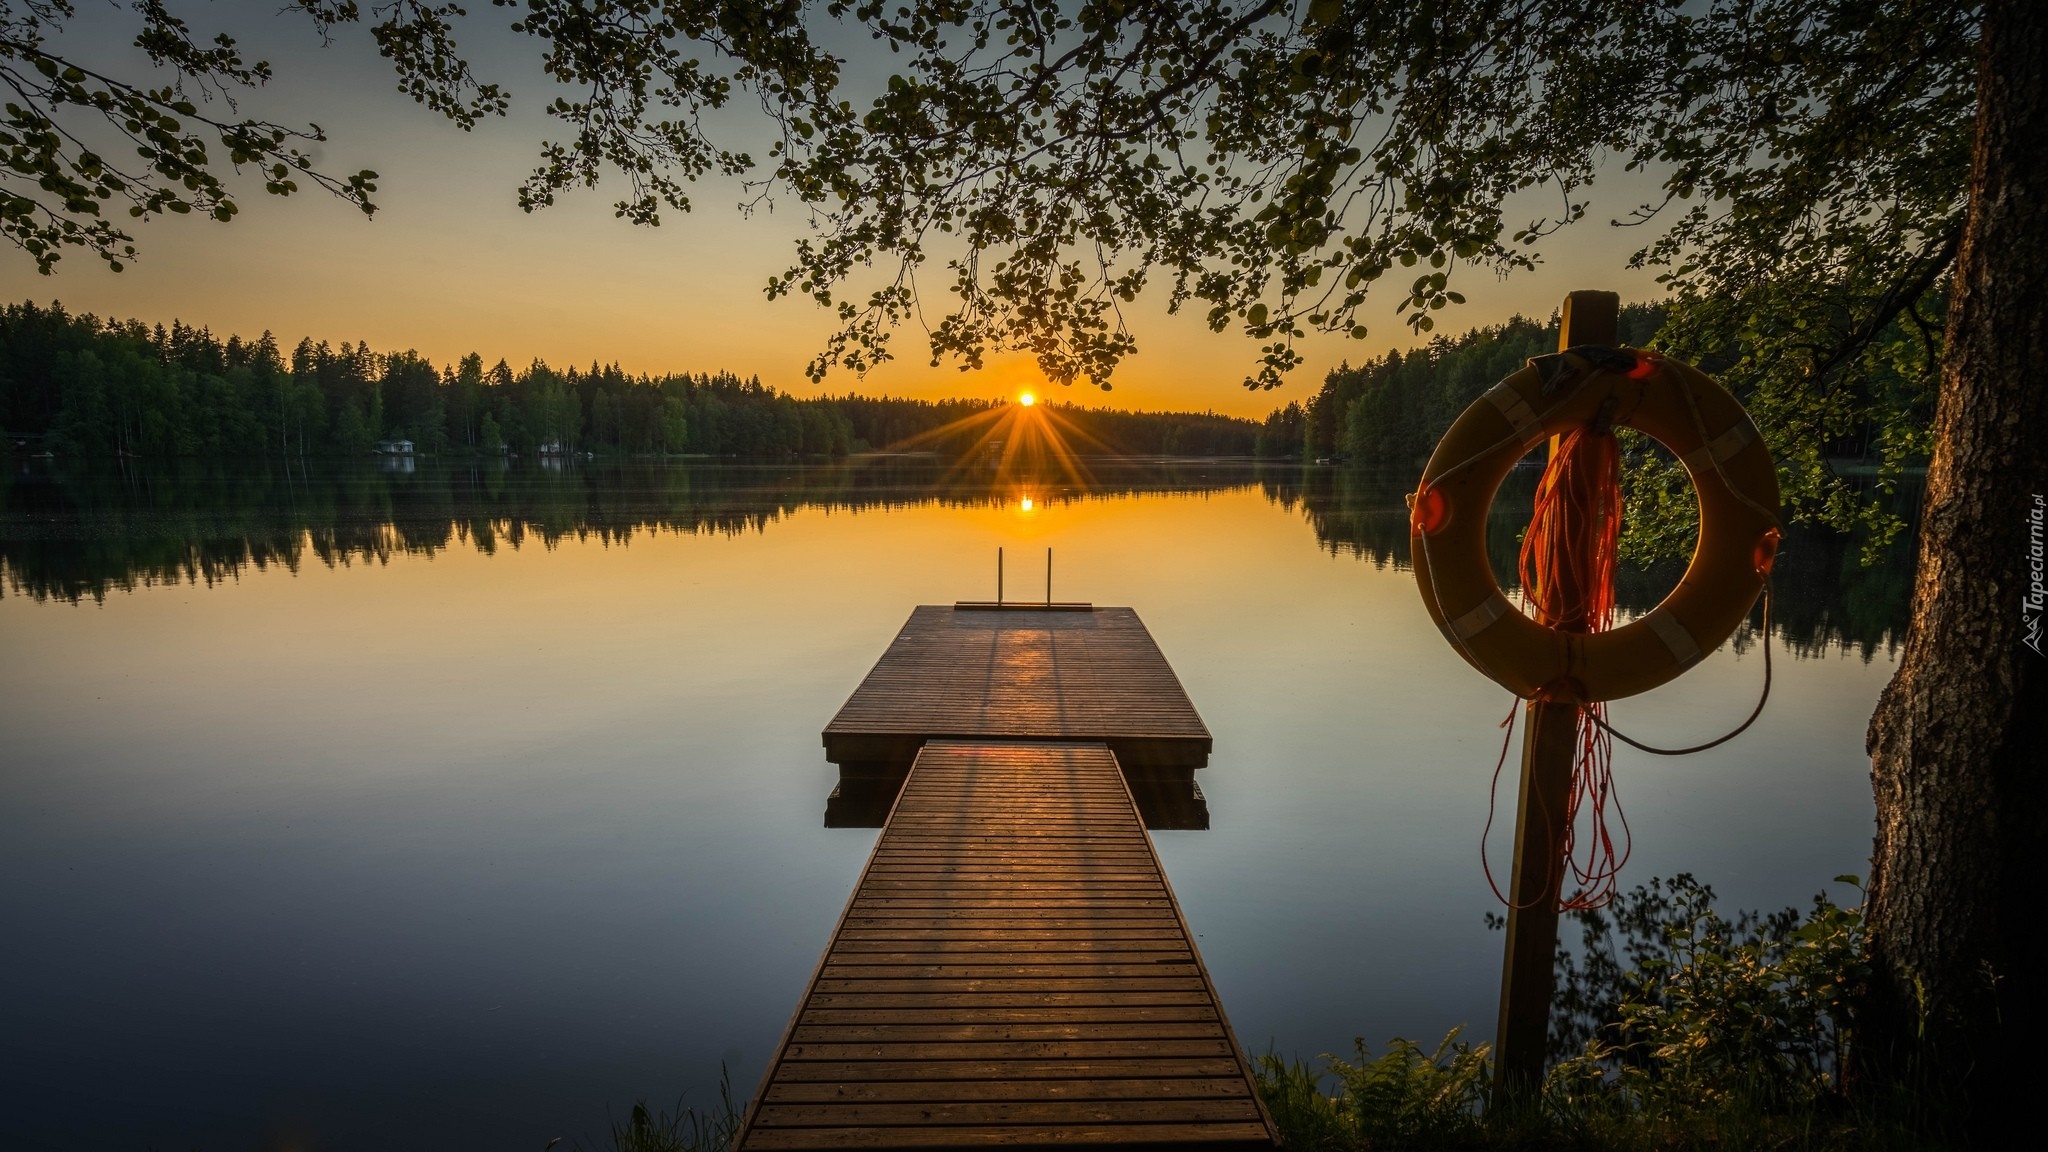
(450, 265)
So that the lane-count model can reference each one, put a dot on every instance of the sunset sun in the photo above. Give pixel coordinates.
(1027, 399)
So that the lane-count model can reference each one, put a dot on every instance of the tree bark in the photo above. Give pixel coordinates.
(1957, 744)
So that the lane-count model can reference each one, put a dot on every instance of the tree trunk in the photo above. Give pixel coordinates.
(1957, 751)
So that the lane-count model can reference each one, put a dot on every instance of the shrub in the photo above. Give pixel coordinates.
(1679, 1007)
(1674, 1028)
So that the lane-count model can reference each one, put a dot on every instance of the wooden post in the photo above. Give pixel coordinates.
(1549, 737)
(999, 577)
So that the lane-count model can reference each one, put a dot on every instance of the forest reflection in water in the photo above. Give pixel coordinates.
(71, 533)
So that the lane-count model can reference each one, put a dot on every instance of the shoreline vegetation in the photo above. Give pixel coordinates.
(1675, 1028)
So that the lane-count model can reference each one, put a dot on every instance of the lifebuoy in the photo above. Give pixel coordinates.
(1679, 406)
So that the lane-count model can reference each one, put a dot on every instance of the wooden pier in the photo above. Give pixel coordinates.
(1013, 969)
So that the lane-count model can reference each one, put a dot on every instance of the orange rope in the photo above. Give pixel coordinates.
(1568, 555)
(1567, 568)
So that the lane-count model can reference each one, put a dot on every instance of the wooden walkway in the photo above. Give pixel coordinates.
(1089, 674)
(1012, 971)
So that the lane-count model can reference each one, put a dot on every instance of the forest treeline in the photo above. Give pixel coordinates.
(1392, 410)
(78, 385)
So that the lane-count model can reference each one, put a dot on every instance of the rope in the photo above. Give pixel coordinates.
(1567, 568)
(1597, 884)
(1764, 697)
(1492, 803)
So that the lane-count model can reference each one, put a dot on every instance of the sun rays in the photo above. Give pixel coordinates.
(1021, 447)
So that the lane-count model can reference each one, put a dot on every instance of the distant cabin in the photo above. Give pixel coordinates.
(394, 447)
(551, 448)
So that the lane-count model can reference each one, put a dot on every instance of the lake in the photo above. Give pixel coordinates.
(458, 807)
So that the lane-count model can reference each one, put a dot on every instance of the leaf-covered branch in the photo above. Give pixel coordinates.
(80, 150)
(419, 40)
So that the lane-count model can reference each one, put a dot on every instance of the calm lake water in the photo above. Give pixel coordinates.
(458, 808)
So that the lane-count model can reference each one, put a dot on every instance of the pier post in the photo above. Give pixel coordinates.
(1549, 739)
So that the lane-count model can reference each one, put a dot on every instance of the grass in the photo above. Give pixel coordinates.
(1408, 1101)
(682, 1130)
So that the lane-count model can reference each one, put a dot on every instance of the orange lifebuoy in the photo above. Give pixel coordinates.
(1680, 407)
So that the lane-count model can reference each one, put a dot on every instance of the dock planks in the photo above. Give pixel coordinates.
(1012, 971)
(966, 672)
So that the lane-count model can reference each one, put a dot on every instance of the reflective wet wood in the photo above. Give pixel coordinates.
(1012, 971)
(967, 672)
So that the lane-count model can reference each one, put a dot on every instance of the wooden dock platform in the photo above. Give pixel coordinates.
(1020, 672)
(1012, 971)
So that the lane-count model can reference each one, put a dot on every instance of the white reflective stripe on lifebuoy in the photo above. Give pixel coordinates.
(1518, 412)
(1479, 619)
(1684, 648)
(1720, 448)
